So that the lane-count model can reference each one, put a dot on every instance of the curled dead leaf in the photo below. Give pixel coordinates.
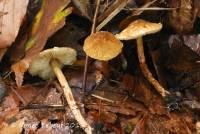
(51, 18)
(20, 68)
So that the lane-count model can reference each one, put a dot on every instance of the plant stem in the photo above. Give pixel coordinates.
(145, 70)
(87, 58)
(69, 97)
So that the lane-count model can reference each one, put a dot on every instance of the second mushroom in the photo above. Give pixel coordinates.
(48, 64)
(136, 30)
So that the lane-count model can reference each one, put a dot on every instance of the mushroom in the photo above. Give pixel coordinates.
(102, 46)
(136, 30)
(48, 64)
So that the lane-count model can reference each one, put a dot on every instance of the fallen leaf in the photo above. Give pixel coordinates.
(157, 106)
(193, 42)
(114, 102)
(198, 127)
(178, 125)
(13, 128)
(28, 93)
(108, 117)
(9, 103)
(3, 88)
(140, 127)
(184, 15)
(2, 52)
(11, 20)
(83, 6)
(128, 124)
(9, 108)
(53, 98)
(103, 67)
(138, 87)
(11, 17)
(155, 125)
(49, 19)
(46, 127)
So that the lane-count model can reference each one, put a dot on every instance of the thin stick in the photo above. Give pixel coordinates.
(87, 58)
(110, 13)
(138, 12)
(42, 106)
(69, 97)
(151, 8)
(102, 98)
(19, 96)
(145, 70)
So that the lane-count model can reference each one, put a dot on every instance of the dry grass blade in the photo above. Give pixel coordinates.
(93, 30)
(138, 12)
(152, 8)
(110, 13)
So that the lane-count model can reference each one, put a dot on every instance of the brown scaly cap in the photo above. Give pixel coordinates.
(102, 46)
(137, 29)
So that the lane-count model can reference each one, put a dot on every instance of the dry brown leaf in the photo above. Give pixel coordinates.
(53, 97)
(139, 87)
(157, 106)
(13, 128)
(103, 67)
(182, 19)
(14, 12)
(11, 16)
(9, 108)
(179, 125)
(140, 127)
(9, 103)
(40, 33)
(83, 7)
(121, 104)
(2, 52)
(46, 127)
(28, 93)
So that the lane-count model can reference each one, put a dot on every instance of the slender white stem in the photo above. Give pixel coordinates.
(69, 97)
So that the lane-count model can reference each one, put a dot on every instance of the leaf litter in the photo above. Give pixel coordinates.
(118, 98)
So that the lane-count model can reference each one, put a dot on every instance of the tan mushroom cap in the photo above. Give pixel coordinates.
(102, 46)
(137, 29)
(41, 64)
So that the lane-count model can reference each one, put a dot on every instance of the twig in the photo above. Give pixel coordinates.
(102, 98)
(138, 12)
(7, 74)
(19, 96)
(110, 13)
(41, 106)
(87, 58)
(151, 8)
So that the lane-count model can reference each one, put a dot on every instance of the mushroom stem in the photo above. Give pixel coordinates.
(145, 70)
(69, 97)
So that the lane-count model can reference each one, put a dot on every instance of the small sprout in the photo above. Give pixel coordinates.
(136, 30)
(48, 64)
(102, 46)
